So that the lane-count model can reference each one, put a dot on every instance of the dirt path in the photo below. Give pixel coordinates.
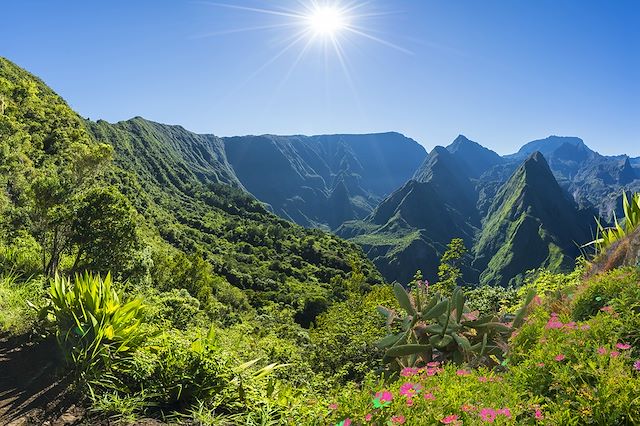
(31, 393)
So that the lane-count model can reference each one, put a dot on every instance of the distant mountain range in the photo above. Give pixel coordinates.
(383, 191)
(404, 205)
(515, 213)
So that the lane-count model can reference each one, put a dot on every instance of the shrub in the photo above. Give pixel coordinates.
(94, 327)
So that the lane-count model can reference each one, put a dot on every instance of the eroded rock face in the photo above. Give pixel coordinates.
(625, 252)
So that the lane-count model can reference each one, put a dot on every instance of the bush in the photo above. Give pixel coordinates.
(95, 329)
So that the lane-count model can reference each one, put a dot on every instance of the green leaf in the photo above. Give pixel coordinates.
(403, 299)
(436, 311)
(405, 350)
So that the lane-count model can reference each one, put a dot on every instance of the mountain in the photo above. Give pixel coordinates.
(531, 223)
(475, 158)
(321, 181)
(546, 146)
(195, 227)
(411, 228)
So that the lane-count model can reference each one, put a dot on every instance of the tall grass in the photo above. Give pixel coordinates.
(15, 314)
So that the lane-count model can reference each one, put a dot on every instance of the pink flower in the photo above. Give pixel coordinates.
(447, 420)
(614, 354)
(433, 364)
(482, 379)
(540, 364)
(570, 325)
(409, 402)
(554, 322)
(408, 372)
(505, 412)
(488, 414)
(398, 420)
(623, 346)
(333, 406)
(463, 372)
(466, 408)
(368, 417)
(433, 371)
(538, 414)
(636, 365)
(560, 357)
(585, 327)
(410, 389)
(384, 396)
(602, 350)
(429, 396)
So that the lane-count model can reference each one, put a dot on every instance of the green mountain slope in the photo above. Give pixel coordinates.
(190, 206)
(530, 224)
(298, 175)
(411, 228)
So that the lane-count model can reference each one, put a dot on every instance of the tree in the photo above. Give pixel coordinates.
(55, 189)
(449, 272)
(103, 231)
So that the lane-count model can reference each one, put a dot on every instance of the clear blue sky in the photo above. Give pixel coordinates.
(500, 72)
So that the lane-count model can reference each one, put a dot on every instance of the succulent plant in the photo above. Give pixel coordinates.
(440, 328)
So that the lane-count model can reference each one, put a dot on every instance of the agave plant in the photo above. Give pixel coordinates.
(94, 327)
(439, 328)
(608, 235)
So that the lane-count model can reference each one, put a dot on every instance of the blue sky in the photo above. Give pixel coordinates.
(500, 72)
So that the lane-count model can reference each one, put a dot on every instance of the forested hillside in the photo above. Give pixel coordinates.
(164, 201)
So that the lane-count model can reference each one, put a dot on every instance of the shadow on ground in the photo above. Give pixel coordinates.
(31, 390)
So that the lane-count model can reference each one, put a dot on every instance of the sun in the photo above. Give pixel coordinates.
(327, 21)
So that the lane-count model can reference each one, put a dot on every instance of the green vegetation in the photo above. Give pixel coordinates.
(606, 236)
(131, 253)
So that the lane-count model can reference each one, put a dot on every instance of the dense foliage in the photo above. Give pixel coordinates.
(130, 251)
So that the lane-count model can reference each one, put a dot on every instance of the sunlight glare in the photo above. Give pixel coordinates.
(327, 21)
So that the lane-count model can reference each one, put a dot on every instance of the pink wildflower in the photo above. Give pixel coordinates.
(623, 346)
(447, 420)
(463, 372)
(433, 364)
(560, 357)
(482, 379)
(333, 406)
(570, 325)
(554, 322)
(433, 371)
(429, 396)
(538, 414)
(602, 350)
(410, 389)
(540, 364)
(398, 420)
(614, 354)
(384, 396)
(505, 412)
(409, 402)
(488, 414)
(408, 372)
(466, 408)
(636, 365)
(585, 327)
(368, 417)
